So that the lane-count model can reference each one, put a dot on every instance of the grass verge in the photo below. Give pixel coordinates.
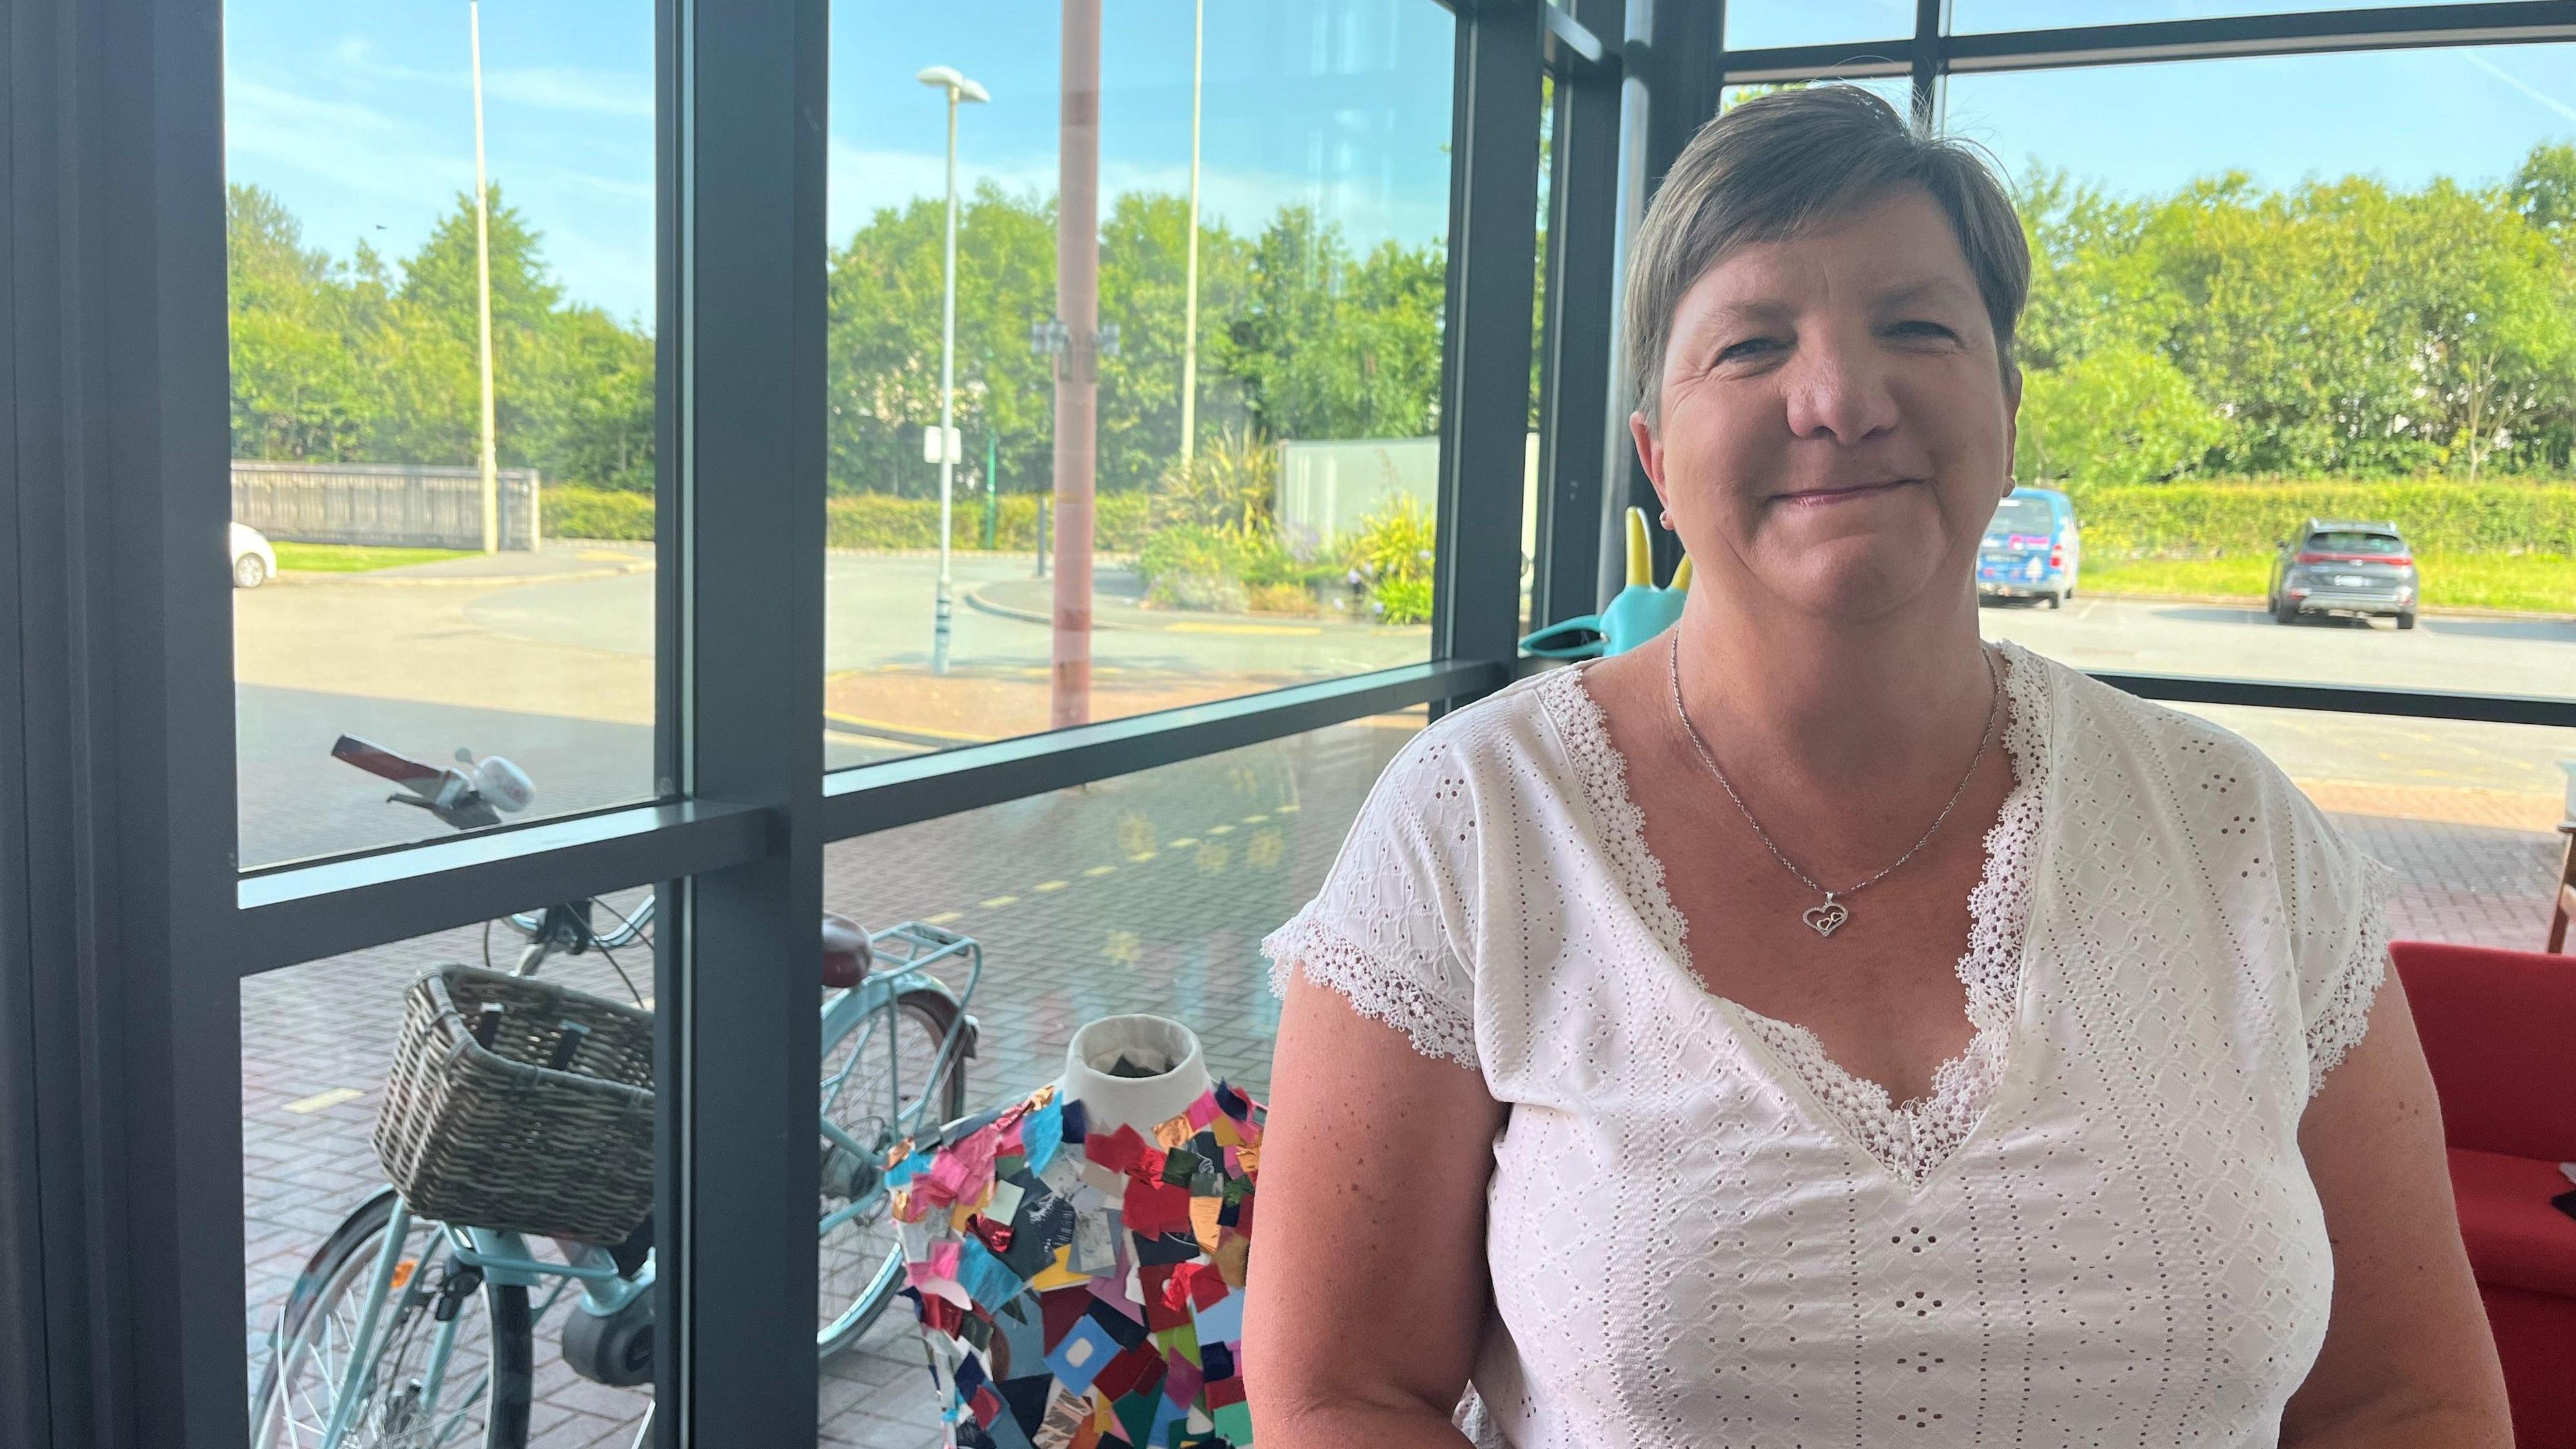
(349, 558)
(2532, 582)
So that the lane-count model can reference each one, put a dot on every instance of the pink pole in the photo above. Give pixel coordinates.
(1077, 385)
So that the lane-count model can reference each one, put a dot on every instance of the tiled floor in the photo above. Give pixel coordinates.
(1145, 893)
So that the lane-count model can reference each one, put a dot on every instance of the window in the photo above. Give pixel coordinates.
(2301, 302)
(1244, 477)
(406, 575)
(1146, 893)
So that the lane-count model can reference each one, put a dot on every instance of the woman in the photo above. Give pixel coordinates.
(1818, 1027)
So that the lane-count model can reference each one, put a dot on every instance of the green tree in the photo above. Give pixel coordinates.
(2116, 415)
(298, 388)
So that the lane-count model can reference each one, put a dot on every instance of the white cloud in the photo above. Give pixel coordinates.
(576, 90)
(353, 145)
(564, 88)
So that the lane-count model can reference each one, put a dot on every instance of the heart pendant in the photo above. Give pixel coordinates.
(1827, 918)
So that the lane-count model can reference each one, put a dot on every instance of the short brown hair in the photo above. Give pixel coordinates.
(1776, 164)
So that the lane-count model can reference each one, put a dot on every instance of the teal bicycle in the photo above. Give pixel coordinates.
(406, 1333)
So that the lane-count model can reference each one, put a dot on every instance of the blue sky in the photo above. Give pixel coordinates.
(360, 118)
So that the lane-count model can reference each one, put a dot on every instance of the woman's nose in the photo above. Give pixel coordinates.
(1837, 391)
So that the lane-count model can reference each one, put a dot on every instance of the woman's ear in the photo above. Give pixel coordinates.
(2012, 423)
(1650, 453)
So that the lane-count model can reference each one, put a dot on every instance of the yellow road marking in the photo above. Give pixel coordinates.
(320, 1100)
(1045, 886)
(1220, 830)
(997, 902)
(1100, 870)
(1285, 809)
(1185, 842)
(1254, 819)
(943, 918)
(1142, 856)
(1275, 630)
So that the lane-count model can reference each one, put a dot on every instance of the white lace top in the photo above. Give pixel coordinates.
(2097, 1229)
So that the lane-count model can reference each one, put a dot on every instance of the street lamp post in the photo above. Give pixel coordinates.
(483, 288)
(1190, 303)
(959, 88)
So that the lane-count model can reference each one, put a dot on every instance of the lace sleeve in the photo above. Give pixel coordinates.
(1384, 929)
(2337, 902)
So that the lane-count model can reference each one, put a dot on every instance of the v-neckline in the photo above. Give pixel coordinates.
(1909, 1140)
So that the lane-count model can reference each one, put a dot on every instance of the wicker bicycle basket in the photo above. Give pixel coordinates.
(494, 1137)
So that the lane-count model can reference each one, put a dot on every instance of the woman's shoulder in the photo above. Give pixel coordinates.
(1474, 751)
(2187, 771)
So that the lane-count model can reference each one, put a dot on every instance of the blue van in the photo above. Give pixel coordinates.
(2031, 549)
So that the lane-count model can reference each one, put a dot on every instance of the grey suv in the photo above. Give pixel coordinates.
(2345, 568)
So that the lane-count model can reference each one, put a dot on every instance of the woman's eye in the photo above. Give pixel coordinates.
(1920, 328)
(1738, 351)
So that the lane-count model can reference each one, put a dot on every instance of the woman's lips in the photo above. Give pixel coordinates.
(1848, 493)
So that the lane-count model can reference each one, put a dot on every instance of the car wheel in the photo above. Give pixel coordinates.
(2285, 612)
(249, 571)
(2406, 620)
(2057, 600)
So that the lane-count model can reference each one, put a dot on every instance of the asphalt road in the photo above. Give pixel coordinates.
(557, 673)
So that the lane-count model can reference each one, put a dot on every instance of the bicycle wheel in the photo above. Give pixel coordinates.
(479, 1397)
(865, 1095)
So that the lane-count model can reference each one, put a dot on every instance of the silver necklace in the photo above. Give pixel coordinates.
(1825, 919)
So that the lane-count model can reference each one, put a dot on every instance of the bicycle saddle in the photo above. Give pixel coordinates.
(846, 956)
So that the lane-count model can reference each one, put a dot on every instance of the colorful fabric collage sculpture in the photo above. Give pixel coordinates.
(1085, 1290)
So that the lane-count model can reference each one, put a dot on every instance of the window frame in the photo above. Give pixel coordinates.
(128, 928)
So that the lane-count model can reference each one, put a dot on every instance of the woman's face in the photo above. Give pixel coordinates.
(1835, 432)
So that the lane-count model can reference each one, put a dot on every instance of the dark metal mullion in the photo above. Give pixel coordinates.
(1576, 374)
(1930, 16)
(745, 968)
(870, 798)
(1684, 77)
(1485, 344)
(46, 1185)
(315, 911)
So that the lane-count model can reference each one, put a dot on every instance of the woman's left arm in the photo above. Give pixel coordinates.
(2408, 1359)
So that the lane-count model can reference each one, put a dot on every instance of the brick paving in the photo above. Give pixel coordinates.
(1143, 893)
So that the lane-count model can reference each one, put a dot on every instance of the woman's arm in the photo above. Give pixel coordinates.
(1368, 1286)
(2408, 1359)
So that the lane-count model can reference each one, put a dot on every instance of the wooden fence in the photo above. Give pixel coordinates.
(395, 504)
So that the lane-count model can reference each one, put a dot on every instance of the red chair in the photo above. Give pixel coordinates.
(2499, 1030)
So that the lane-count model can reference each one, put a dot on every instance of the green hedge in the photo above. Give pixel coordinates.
(2211, 520)
(594, 513)
(860, 520)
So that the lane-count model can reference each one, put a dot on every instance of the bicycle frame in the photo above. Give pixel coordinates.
(904, 955)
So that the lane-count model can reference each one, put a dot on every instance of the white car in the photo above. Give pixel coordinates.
(254, 562)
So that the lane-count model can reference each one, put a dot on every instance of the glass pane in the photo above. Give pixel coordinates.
(1147, 893)
(1291, 542)
(1816, 22)
(2304, 358)
(320, 1045)
(1974, 15)
(391, 587)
